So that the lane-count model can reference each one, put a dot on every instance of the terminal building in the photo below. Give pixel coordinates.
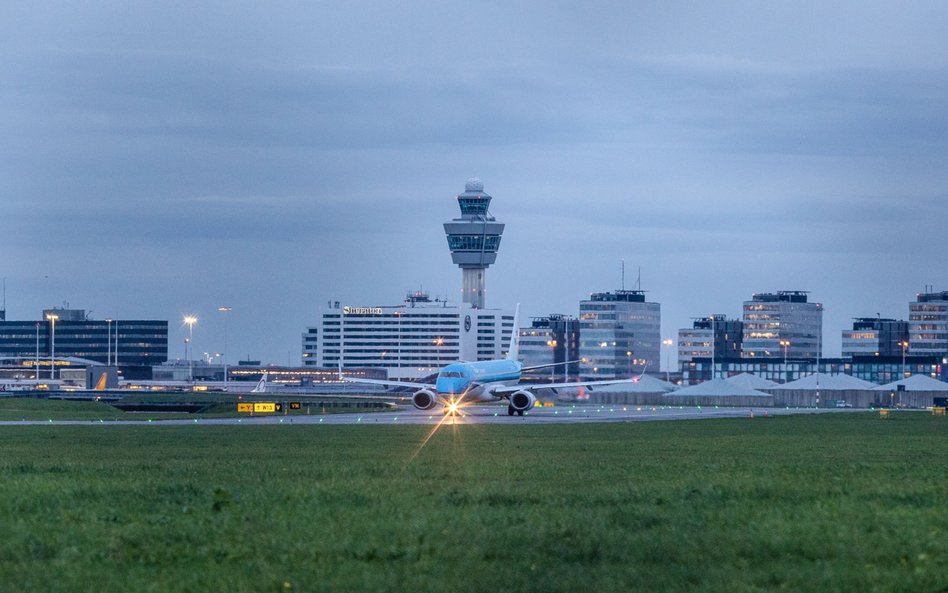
(782, 324)
(409, 341)
(620, 335)
(132, 345)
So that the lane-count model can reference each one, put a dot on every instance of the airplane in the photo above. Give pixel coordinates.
(483, 381)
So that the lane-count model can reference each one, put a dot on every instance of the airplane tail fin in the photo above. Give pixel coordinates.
(100, 385)
(513, 353)
(261, 385)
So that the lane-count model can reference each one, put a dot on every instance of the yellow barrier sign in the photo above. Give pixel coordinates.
(245, 407)
(883, 413)
(938, 411)
(264, 407)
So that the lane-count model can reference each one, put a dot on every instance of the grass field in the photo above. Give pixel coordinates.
(836, 502)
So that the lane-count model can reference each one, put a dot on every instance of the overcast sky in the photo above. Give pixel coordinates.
(165, 158)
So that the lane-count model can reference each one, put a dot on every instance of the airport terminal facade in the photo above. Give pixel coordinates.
(409, 341)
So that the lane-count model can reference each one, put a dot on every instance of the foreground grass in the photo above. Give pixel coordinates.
(842, 502)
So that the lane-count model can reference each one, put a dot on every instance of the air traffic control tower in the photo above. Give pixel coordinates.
(473, 240)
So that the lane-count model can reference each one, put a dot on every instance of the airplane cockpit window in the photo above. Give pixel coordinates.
(452, 375)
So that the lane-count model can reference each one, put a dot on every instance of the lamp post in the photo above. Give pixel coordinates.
(36, 366)
(225, 310)
(904, 344)
(785, 344)
(189, 320)
(52, 317)
(438, 342)
(713, 344)
(552, 345)
(628, 355)
(108, 341)
(667, 342)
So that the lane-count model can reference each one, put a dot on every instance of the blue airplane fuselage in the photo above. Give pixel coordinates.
(474, 379)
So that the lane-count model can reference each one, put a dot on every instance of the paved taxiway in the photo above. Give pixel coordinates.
(480, 414)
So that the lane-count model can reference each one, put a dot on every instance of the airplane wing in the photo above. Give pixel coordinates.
(506, 390)
(387, 383)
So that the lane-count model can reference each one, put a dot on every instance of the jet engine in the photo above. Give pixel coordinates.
(424, 399)
(522, 400)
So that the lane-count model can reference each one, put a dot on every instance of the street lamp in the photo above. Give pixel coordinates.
(667, 342)
(904, 344)
(225, 310)
(189, 320)
(786, 344)
(52, 317)
(552, 345)
(108, 341)
(628, 355)
(36, 366)
(438, 342)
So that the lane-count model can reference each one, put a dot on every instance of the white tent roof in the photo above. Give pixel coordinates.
(751, 381)
(645, 384)
(828, 383)
(717, 387)
(916, 383)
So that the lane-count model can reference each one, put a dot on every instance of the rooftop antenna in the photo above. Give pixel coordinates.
(638, 280)
(622, 271)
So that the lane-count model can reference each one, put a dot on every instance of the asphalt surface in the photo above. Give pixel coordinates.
(478, 414)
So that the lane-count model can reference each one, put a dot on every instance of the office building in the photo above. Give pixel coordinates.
(696, 341)
(551, 340)
(928, 324)
(782, 324)
(620, 335)
(474, 239)
(409, 341)
(874, 336)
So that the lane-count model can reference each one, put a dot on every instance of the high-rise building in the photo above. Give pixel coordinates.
(928, 324)
(620, 335)
(410, 341)
(697, 342)
(552, 340)
(782, 324)
(875, 336)
(474, 239)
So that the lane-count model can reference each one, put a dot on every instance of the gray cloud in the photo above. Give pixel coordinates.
(162, 157)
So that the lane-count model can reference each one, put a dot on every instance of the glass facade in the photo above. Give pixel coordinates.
(620, 335)
(782, 324)
(129, 342)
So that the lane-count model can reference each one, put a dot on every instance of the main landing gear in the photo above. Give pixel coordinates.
(511, 410)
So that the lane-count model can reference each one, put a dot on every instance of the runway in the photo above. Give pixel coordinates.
(478, 414)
